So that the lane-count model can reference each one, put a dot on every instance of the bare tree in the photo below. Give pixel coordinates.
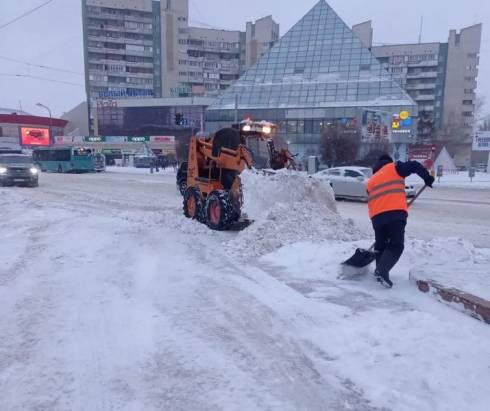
(480, 103)
(453, 131)
(340, 145)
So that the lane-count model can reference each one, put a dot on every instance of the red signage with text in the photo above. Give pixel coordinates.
(163, 139)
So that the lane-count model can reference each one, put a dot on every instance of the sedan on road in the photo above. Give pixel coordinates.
(350, 183)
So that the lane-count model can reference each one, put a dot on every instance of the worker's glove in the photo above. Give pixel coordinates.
(429, 181)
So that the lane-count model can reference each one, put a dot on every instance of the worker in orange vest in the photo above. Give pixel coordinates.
(388, 210)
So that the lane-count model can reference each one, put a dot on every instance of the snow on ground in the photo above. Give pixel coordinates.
(112, 300)
(469, 271)
(397, 347)
(134, 170)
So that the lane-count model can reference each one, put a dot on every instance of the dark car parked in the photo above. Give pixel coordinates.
(18, 169)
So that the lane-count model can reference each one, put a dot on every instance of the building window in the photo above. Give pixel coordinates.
(468, 91)
(467, 114)
(472, 55)
(468, 102)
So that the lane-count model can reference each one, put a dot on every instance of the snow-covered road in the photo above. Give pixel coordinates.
(111, 300)
(442, 212)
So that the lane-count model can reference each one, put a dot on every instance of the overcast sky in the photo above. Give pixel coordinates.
(53, 36)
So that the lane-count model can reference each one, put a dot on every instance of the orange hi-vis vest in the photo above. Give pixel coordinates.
(386, 191)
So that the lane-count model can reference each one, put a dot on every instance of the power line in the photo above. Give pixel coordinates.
(25, 14)
(41, 66)
(41, 78)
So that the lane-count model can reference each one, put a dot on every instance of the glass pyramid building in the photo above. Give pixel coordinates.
(319, 72)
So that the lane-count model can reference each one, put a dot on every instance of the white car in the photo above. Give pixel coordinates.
(351, 182)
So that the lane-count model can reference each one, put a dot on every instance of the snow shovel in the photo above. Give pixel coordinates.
(362, 257)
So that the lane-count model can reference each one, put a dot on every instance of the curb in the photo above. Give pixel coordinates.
(469, 304)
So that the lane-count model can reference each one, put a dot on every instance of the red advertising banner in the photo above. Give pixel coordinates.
(34, 136)
(423, 154)
(163, 139)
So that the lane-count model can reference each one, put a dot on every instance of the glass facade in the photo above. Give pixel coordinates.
(317, 74)
(135, 121)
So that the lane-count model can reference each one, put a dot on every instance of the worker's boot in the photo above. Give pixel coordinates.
(383, 278)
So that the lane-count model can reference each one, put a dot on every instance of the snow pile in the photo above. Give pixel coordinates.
(452, 262)
(288, 207)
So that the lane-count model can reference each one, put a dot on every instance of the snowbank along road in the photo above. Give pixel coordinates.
(112, 300)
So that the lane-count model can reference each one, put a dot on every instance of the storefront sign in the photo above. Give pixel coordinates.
(163, 139)
(481, 141)
(116, 139)
(143, 139)
(106, 103)
(94, 139)
(124, 93)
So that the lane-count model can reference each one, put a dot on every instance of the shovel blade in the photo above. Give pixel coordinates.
(361, 258)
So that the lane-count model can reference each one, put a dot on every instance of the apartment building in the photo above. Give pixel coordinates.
(440, 77)
(147, 49)
(260, 37)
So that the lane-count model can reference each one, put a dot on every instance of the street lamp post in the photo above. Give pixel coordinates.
(50, 121)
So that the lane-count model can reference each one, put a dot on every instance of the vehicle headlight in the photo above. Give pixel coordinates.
(34, 170)
(266, 129)
(3, 170)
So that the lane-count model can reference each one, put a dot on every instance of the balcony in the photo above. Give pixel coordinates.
(119, 29)
(138, 64)
(414, 86)
(105, 50)
(429, 74)
(117, 17)
(425, 97)
(429, 63)
(121, 40)
(139, 75)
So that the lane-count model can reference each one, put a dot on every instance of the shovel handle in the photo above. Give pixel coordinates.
(371, 249)
(417, 195)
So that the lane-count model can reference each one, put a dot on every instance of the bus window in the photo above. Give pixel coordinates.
(82, 152)
(60, 155)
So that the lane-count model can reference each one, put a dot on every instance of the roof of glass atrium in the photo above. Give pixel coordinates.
(319, 62)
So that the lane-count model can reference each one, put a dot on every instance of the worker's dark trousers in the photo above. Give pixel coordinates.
(390, 242)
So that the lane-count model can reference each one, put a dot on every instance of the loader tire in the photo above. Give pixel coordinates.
(193, 204)
(219, 211)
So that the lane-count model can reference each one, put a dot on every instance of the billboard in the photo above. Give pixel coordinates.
(30, 136)
(375, 127)
(423, 154)
(481, 141)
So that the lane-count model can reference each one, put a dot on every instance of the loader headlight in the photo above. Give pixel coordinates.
(3, 170)
(266, 130)
(246, 127)
(33, 170)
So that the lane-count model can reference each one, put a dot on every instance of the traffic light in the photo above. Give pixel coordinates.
(179, 118)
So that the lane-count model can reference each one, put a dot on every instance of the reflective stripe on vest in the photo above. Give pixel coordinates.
(386, 191)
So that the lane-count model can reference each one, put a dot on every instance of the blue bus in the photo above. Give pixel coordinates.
(68, 159)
